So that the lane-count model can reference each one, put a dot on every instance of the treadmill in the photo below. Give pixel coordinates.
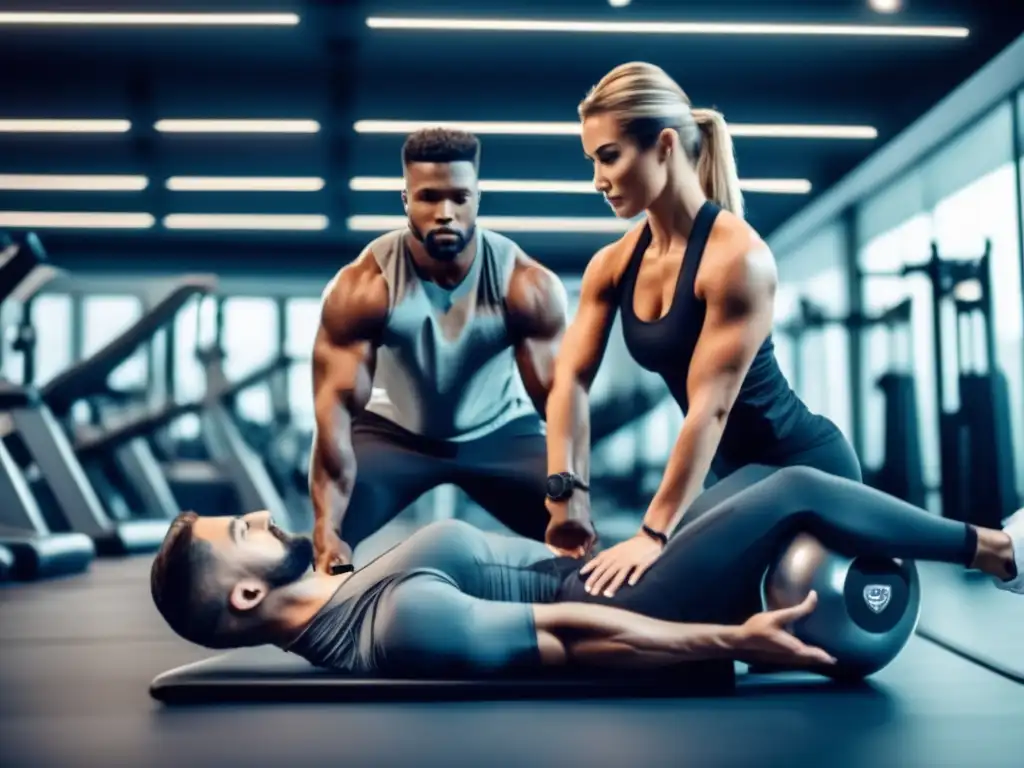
(38, 442)
(30, 547)
(116, 453)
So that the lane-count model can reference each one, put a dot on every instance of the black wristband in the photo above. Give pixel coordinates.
(661, 538)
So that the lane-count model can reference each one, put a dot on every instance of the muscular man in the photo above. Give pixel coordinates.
(452, 600)
(425, 344)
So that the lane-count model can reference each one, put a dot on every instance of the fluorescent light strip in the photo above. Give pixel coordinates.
(243, 184)
(58, 183)
(795, 131)
(745, 130)
(397, 183)
(151, 19)
(74, 220)
(237, 126)
(64, 126)
(252, 222)
(504, 223)
(776, 186)
(661, 27)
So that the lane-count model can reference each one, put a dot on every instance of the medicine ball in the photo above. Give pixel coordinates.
(868, 607)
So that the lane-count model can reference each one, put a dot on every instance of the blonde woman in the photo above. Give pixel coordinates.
(695, 285)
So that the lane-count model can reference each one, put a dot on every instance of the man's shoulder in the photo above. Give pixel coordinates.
(357, 293)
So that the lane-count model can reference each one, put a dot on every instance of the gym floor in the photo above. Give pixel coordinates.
(77, 656)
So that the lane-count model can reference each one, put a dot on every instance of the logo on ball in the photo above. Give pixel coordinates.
(877, 596)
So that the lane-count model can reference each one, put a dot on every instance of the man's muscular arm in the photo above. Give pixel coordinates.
(585, 634)
(344, 353)
(579, 358)
(537, 314)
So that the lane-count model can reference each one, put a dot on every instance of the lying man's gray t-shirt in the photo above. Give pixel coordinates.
(451, 599)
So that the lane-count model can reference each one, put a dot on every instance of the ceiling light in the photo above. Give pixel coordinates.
(397, 183)
(660, 27)
(618, 3)
(58, 183)
(245, 221)
(776, 186)
(150, 19)
(886, 6)
(244, 184)
(63, 126)
(744, 130)
(474, 126)
(70, 220)
(797, 131)
(237, 126)
(504, 223)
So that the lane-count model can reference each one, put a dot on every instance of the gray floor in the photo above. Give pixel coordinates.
(76, 658)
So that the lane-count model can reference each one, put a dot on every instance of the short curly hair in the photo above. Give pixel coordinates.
(441, 145)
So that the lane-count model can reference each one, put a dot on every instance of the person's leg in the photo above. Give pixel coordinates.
(834, 457)
(393, 469)
(712, 570)
(506, 473)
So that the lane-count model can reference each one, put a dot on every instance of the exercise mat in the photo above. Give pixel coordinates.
(268, 674)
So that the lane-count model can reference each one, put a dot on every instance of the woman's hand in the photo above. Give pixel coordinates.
(628, 560)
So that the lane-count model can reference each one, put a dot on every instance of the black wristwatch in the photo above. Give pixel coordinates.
(658, 536)
(560, 486)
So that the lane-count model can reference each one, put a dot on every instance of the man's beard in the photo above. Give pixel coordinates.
(293, 566)
(439, 248)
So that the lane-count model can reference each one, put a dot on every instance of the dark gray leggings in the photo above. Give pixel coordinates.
(712, 568)
(469, 616)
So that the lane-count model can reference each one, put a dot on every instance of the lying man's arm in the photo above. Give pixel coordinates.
(428, 627)
(584, 634)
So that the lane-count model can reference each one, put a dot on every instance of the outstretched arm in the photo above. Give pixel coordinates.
(536, 308)
(579, 358)
(586, 634)
(344, 353)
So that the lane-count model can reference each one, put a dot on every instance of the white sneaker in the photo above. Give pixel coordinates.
(1015, 529)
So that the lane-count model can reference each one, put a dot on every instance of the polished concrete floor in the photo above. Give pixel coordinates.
(77, 656)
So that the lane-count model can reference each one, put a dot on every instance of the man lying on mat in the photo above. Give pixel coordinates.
(452, 600)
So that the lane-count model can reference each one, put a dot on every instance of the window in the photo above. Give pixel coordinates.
(13, 368)
(250, 341)
(51, 316)
(972, 191)
(899, 350)
(816, 272)
(786, 309)
(302, 318)
(987, 209)
(103, 319)
(824, 353)
(193, 329)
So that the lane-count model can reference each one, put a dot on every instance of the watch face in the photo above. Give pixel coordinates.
(556, 486)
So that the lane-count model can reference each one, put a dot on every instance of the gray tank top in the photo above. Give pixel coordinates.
(446, 367)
